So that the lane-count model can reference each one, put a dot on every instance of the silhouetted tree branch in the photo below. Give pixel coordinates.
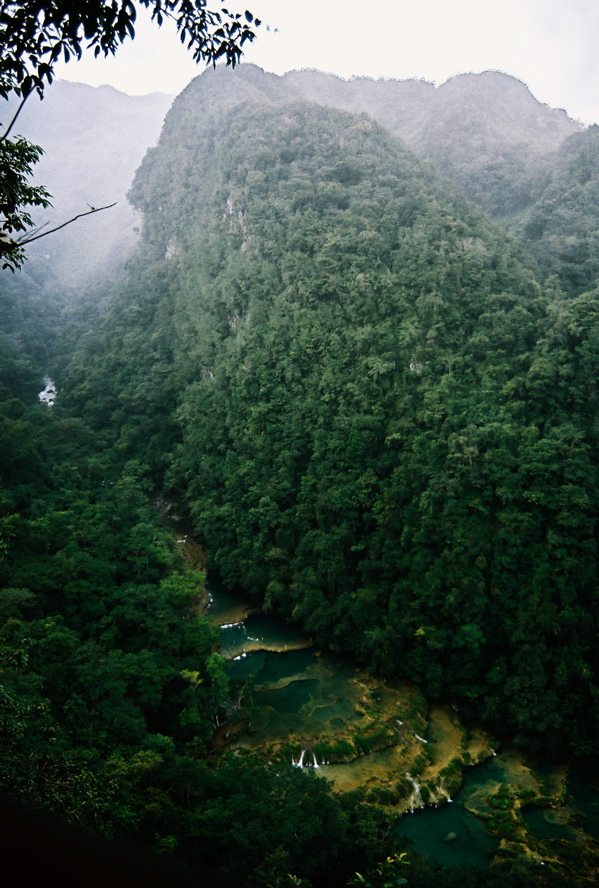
(12, 247)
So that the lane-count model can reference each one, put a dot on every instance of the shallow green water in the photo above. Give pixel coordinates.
(544, 824)
(450, 835)
(297, 692)
(243, 631)
(264, 667)
(583, 799)
(225, 606)
(290, 700)
(485, 778)
(303, 693)
(300, 693)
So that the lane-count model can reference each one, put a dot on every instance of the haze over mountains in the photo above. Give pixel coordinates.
(475, 128)
(94, 138)
(485, 132)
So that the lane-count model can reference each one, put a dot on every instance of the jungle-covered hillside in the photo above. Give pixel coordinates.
(378, 407)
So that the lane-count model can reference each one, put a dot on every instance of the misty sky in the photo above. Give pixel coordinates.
(549, 44)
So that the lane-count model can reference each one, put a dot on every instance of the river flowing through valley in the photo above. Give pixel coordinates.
(446, 789)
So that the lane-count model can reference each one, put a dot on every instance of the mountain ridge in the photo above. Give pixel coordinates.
(371, 431)
(499, 150)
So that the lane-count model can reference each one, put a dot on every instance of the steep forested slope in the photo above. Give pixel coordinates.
(386, 428)
(561, 229)
(111, 683)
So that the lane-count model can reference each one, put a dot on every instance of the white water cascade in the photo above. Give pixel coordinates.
(439, 795)
(415, 800)
(302, 762)
(48, 396)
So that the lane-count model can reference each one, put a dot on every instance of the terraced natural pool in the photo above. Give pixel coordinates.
(453, 797)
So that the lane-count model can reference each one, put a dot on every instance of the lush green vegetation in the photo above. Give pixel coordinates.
(380, 423)
(111, 683)
(384, 427)
(561, 227)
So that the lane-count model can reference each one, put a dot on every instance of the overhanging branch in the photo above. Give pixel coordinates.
(6, 134)
(29, 240)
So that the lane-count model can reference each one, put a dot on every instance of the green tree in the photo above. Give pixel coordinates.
(17, 157)
(34, 35)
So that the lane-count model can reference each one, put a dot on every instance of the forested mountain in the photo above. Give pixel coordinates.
(485, 132)
(388, 428)
(561, 228)
(380, 412)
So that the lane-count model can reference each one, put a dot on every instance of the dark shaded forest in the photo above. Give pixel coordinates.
(378, 407)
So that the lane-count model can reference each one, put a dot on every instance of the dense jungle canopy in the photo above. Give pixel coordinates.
(380, 411)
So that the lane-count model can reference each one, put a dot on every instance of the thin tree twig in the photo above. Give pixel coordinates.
(38, 229)
(28, 240)
(5, 135)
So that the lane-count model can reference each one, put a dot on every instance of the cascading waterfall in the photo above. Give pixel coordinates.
(439, 794)
(240, 644)
(235, 639)
(48, 396)
(300, 763)
(415, 800)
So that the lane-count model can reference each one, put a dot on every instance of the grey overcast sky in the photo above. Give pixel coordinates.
(552, 45)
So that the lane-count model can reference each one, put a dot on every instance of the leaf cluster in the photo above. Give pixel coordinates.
(17, 157)
(35, 35)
